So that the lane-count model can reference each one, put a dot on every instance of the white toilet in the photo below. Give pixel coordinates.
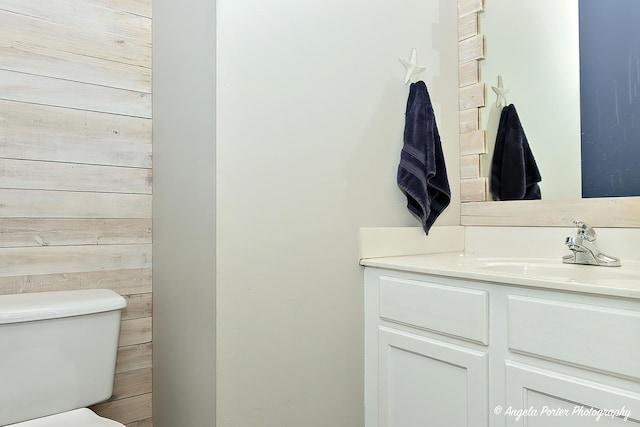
(57, 356)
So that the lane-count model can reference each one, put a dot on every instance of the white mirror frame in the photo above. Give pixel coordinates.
(475, 210)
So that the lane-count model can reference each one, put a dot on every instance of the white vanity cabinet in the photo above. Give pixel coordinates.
(444, 351)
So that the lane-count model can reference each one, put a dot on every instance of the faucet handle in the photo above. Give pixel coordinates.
(585, 230)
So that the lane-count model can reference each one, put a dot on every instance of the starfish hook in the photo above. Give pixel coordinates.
(413, 69)
(501, 92)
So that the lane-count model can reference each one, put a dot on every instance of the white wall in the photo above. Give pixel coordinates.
(184, 213)
(310, 113)
(538, 60)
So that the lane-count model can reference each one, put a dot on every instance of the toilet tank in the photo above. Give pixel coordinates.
(57, 351)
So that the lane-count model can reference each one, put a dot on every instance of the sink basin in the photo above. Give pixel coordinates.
(556, 270)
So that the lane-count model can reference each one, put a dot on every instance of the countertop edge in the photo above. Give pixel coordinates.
(424, 264)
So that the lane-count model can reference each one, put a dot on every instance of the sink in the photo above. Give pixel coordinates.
(555, 270)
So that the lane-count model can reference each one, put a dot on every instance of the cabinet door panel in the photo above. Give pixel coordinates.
(553, 399)
(424, 382)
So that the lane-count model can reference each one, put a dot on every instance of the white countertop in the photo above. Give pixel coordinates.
(548, 273)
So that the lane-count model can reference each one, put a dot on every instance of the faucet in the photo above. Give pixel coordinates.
(585, 250)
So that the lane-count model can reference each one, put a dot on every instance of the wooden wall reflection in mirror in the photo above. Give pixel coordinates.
(475, 210)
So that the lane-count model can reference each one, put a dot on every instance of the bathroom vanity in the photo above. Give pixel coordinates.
(460, 340)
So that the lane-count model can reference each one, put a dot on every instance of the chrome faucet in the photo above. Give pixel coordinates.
(585, 250)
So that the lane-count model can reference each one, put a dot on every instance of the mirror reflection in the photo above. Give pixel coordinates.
(609, 103)
(535, 47)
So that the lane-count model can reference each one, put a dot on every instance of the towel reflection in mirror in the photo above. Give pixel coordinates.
(514, 172)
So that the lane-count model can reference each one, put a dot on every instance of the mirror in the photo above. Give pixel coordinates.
(580, 116)
(540, 68)
(602, 212)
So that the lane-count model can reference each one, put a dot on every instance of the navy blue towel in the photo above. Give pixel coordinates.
(422, 174)
(514, 172)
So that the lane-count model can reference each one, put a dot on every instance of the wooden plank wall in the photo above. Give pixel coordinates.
(75, 166)
(471, 49)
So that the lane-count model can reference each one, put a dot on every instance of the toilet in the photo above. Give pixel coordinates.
(58, 356)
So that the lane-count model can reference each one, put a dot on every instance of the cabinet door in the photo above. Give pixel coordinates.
(424, 382)
(542, 398)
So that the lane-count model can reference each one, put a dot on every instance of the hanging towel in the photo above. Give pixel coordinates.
(422, 174)
(514, 172)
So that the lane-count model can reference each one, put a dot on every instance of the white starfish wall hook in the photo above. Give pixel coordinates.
(501, 92)
(413, 69)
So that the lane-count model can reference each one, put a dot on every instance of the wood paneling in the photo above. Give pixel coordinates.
(70, 204)
(30, 59)
(42, 132)
(466, 7)
(138, 306)
(135, 331)
(468, 73)
(467, 26)
(559, 213)
(99, 16)
(469, 120)
(472, 142)
(21, 232)
(71, 36)
(126, 410)
(469, 166)
(132, 383)
(473, 189)
(134, 357)
(471, 49)
(136, 7)
(64, 259)
(33, 89)
(39, 175)
(125, 282)
(472, 96)
(75, 167)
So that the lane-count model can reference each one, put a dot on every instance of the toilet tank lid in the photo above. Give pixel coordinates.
(51, 305)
